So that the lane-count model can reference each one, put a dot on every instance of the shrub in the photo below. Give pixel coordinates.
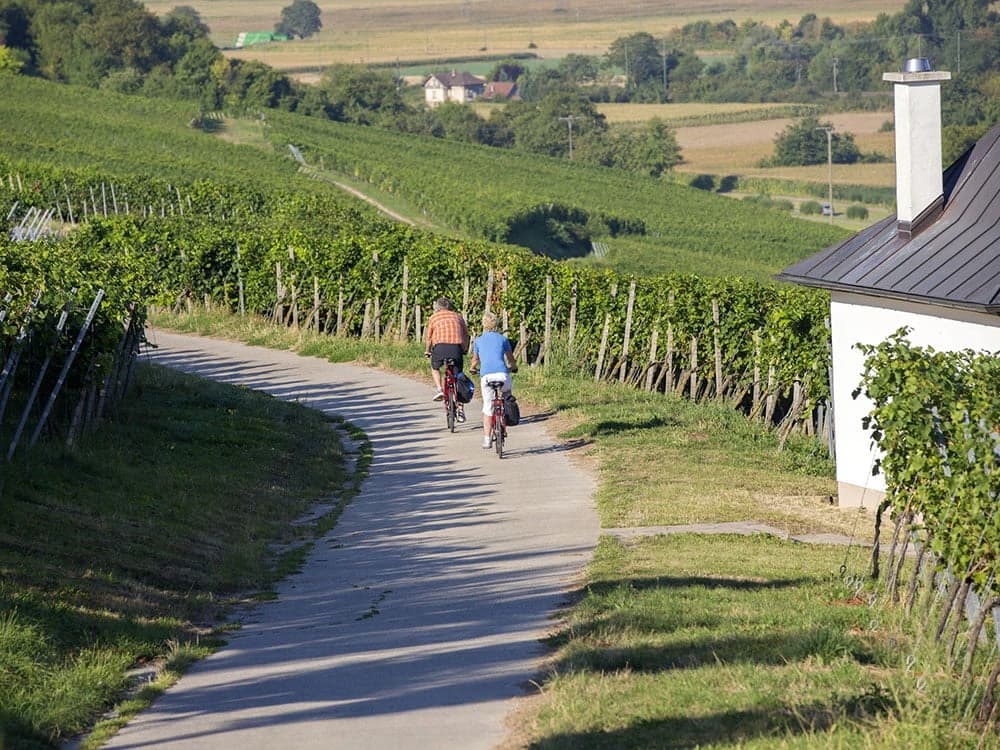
(811, 208)
(857, 212)
(703, 182)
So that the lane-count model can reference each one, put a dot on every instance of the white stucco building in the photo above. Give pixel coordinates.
(933, 267)
(453, 87)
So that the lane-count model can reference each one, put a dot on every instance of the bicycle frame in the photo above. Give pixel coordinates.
(449, 389)
(498, 420)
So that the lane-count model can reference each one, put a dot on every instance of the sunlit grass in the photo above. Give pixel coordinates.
(135, 540)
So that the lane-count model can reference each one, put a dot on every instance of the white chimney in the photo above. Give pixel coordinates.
(919, 189)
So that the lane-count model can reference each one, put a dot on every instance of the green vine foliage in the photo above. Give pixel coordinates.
(936, 420)
(232, 234)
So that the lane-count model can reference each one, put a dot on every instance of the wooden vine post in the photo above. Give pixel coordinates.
(239, 282)
(294, 307)
(623, 369)
(755, 407)
(465, 297)
(572, 318)
(366, 320)
(547, 340)
(315, 312)
(489, 294)
(602, 351)
(694, 368)
(651, 365)
(717, 335)
(404, 303)
(377, 304)
(340, 305)
(505, 315)
(279, 291)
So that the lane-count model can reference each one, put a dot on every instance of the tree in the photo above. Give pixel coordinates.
(459, 122)
(638, 55)
(54, 27)
(10, 61)
(300, 19)
(360, 95)
(119, 34)
(805, 142)
(650, 150)
(254, 85)
(578, 68)
(538, 127)
(195, 74)
(506, 70)
(184, 20)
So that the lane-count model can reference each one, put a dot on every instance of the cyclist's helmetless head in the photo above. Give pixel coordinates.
(489, 322)
(442, 303)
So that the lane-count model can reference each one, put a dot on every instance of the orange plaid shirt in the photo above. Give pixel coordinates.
(446, 327)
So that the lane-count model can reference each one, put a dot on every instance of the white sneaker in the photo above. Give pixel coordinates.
(439, 396)
(487, 443)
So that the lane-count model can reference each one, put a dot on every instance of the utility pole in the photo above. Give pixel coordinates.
(829, 168)
(958, 42)
(663, 54)
(836, 65)
(626, 65)
(568, 119)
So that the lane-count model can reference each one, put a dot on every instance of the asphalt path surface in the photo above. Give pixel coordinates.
(416, 622)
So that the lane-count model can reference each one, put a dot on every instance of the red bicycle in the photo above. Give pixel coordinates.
(498, 420)
(452, 411)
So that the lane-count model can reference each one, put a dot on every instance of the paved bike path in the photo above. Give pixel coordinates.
(415, 622)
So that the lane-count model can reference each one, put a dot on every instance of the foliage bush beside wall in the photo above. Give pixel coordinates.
(936, 420)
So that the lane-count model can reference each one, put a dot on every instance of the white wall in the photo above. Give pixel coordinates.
(858, 318)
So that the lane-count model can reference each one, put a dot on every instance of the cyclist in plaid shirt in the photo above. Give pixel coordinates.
(447, 337)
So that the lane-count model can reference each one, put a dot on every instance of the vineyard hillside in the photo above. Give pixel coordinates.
(557, 207)
(68, 127)
(553, 206)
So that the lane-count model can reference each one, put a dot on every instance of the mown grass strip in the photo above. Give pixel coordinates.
(131, 548)
(710, 641)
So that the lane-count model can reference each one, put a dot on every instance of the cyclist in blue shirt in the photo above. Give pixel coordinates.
(492, 354)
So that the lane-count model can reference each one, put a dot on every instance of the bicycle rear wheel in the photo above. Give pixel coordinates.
(498, 434)
(451, 409)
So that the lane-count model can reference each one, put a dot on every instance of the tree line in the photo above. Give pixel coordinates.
(121, 46)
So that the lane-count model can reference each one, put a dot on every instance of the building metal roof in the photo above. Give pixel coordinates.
(953, 259)
(451, 79)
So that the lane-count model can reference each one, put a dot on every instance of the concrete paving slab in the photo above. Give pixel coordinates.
(416, 621)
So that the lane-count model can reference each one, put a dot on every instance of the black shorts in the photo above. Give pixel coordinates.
(441, 352)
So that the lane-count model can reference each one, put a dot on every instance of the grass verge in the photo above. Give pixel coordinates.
(130, 549)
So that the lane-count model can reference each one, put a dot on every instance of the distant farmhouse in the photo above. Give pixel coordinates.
(453, 87)
(500, 91)
(248, 38)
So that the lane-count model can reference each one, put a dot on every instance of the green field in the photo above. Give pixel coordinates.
(382, 32)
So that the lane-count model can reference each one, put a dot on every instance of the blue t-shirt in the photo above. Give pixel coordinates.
(491, 347)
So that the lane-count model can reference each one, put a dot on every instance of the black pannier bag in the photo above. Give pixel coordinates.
(511, 409)
(464, 388)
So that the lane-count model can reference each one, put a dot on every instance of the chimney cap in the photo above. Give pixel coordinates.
(917, 65)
